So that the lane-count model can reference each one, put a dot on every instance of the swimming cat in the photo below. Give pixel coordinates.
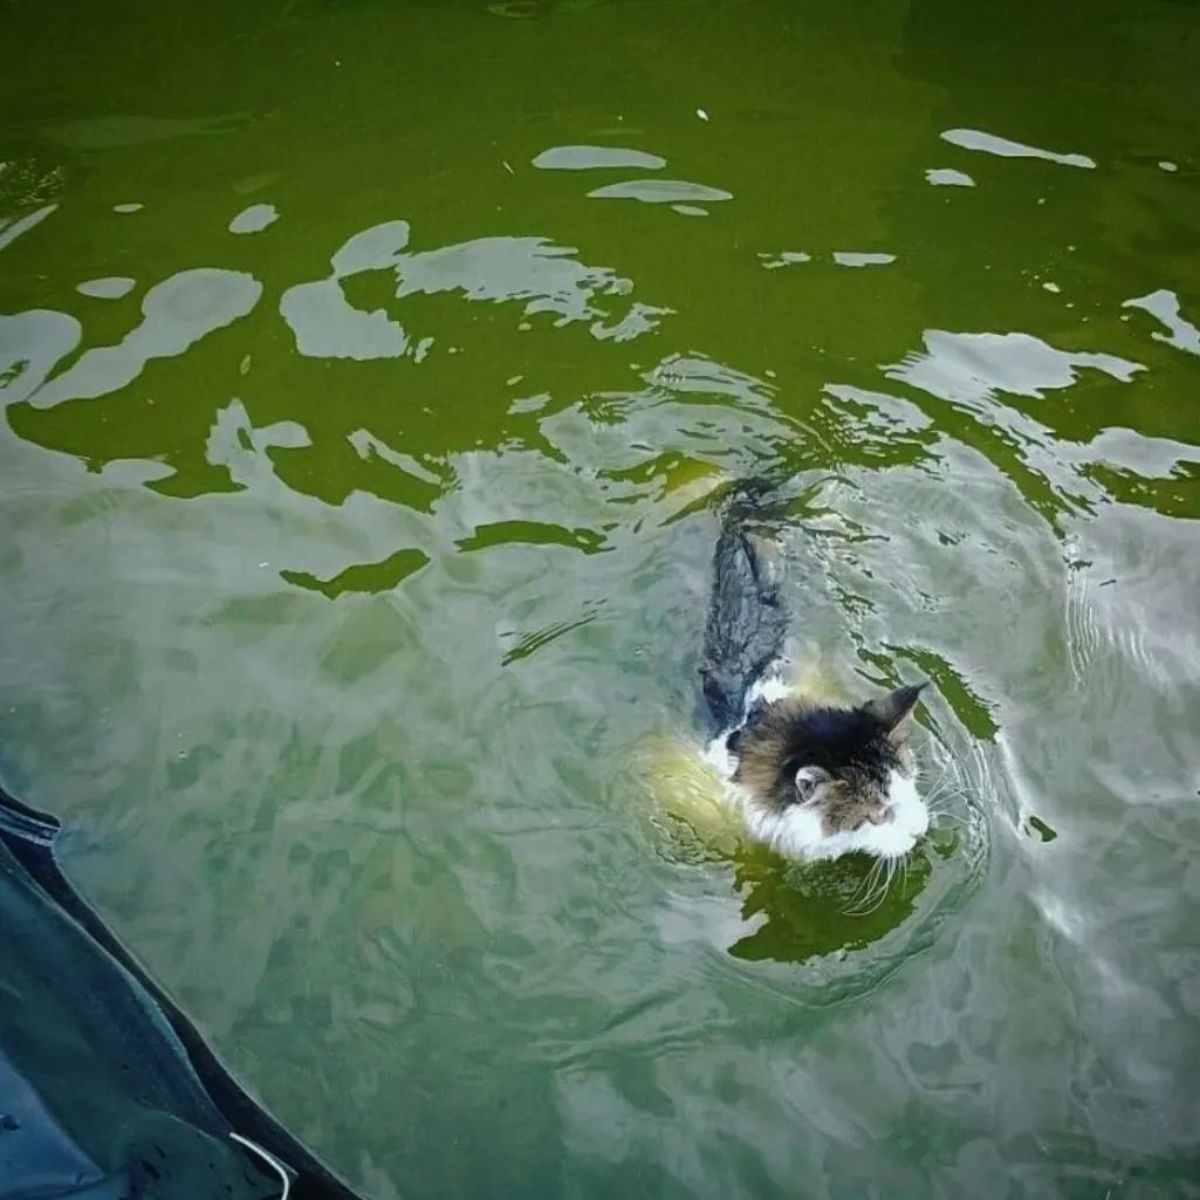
(814, 780)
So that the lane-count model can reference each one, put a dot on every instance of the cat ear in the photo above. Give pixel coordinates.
(891, 709)
(808, 779)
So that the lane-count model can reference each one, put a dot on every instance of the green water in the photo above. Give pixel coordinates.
(349, 561)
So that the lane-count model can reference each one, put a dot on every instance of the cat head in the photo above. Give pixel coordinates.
(822, 781)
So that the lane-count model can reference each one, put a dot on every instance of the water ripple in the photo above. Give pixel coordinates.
(176, 313)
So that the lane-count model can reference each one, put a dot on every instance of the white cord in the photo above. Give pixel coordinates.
(285, 1175)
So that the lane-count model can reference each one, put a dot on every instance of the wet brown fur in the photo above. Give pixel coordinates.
(781, 739)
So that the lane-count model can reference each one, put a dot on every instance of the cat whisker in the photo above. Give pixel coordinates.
(875, 900)
(863, 907)
(947, 817)
(865, 887)
(947, 787)
(877, 885)
(941, 778)
(941, 805)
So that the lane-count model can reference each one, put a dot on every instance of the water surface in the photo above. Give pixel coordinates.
(361, 366)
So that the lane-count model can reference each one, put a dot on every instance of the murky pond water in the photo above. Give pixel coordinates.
(360, 366)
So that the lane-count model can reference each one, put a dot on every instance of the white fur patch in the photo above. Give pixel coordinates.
(718, 757)
(796, 832)
(769, 690)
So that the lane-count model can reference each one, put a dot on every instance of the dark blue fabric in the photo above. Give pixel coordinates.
(107, 1092)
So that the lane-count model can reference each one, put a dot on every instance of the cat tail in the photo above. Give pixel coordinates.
(747, 621)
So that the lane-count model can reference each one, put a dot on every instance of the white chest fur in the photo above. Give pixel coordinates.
(796, 831)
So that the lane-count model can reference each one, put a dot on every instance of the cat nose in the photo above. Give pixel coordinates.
(883, 817)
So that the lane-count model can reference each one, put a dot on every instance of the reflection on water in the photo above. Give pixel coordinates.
(589, 158)
(357, 468)
(826, 908)
(176, 313)
(1163, 305)
(11, 229)
(948, 177)
(972, 367)
(31, 345)
(254, 219)
(858, 258)
(975, 139)
(111, 288)
(547, 278)
(109, 132)
(660, 191)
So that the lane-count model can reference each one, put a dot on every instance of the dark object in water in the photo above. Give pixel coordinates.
(747, 619)
(107, 1092)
